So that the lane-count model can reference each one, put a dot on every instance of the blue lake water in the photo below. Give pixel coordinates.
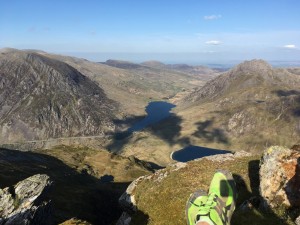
(194, 152)
(156, 112)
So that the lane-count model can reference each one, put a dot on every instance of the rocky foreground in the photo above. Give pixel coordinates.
(268, 189)
(24, 203)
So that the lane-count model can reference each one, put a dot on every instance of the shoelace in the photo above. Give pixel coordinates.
(208, 205)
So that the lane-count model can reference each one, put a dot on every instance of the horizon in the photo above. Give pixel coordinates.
(139, 58)
(169, 31)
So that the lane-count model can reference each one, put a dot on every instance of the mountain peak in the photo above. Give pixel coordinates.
(256, 66)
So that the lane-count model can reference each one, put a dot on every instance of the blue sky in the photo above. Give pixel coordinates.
(167, 30)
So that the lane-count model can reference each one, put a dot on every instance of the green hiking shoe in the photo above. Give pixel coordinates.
(196, 200)
(223, 188)
(217, 207)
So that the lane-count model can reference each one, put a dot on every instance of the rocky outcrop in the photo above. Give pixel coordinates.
(44, 98)
(280, 177)
(24, 204)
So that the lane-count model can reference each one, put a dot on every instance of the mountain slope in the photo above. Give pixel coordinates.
(134, 85)
(44, 98)
(205, 73)
(247, 75)
(252, 105)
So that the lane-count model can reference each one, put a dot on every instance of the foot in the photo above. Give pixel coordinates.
(217, 207)
(196, 200)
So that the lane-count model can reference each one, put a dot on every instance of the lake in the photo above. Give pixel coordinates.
(156, 112)
(194, 152)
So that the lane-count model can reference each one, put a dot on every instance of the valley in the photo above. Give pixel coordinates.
(95, 127)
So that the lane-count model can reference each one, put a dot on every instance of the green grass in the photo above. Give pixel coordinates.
(163, 202)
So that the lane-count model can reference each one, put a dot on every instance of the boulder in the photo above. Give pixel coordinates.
(280, 177)
(24, 203)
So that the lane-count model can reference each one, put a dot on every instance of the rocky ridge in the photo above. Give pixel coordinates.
(24, 203)
(249, 74)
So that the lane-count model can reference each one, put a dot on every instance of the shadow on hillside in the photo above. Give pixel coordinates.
(210, 135)
(249, 201)
(160, 121)
(293, 96)
(139, 218)
(73, 194)
(168, 130)
(194, 152)
(285, 93)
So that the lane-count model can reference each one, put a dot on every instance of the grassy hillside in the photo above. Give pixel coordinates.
(161, 198)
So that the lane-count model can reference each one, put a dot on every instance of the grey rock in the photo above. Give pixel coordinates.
(280, 178)
(297, 221)
(125, 219)
(127, 199)
(24, 203)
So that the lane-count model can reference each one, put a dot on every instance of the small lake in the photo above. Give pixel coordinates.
(156, 112)
(194, 152)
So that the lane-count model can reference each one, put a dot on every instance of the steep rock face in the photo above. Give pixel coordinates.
(280, 177)
(23, 203)
(44, 98)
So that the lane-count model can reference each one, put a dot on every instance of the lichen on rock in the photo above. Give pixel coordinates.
(280, 177)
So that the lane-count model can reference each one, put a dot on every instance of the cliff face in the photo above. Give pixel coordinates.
(44, 98)
(265, 189)
(24, 203)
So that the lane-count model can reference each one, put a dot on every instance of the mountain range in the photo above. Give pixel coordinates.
(76, 118)
(249, 107)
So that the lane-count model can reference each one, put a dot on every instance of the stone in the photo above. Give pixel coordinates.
(297, 221)
(127, 199)
(280, 177)
(24, 203)
(125, 219)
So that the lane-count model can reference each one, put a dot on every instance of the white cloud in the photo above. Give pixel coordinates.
(212, 17)
(213, 42)
(290, 46)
